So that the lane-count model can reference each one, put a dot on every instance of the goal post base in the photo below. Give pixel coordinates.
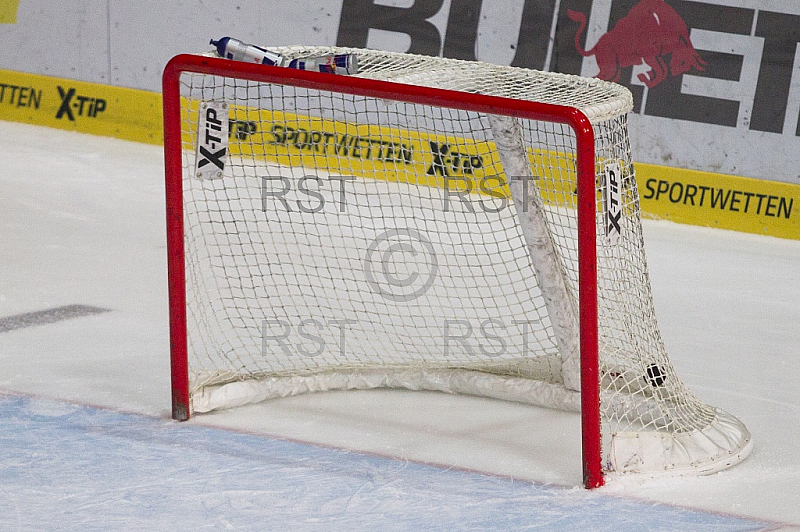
(721, 444)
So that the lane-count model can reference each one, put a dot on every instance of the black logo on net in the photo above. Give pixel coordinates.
(447, 161)
(242, 129)
(213, 138)
(74, 104)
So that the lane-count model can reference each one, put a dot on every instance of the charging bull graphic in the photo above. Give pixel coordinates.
(652, 31)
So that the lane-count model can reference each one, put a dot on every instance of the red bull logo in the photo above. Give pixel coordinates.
(652, 32)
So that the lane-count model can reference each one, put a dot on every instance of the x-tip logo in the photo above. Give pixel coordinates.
(73, 104)
(613, 202)
(212, 140)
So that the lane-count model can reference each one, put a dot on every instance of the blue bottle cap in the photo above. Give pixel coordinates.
(221, 45)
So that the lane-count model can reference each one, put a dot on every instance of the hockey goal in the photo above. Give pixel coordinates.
(428, 224)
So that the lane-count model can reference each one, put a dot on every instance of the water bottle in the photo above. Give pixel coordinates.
(332, 64)
(235, 49)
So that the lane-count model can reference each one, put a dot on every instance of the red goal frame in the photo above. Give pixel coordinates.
(586, 197)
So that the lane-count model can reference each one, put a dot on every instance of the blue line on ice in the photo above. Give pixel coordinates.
(71, 467)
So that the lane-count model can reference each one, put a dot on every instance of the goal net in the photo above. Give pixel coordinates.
(428, 224)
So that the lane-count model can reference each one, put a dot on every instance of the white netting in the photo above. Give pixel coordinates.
(355, 242)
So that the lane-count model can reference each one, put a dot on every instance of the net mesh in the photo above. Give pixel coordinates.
(349, 235)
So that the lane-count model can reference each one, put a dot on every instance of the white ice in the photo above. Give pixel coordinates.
(82, 221)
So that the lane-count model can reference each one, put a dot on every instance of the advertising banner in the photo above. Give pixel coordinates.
(715, 129)
(716, 83)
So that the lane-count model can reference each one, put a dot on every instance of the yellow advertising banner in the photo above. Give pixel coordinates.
(80, 106)
(8, 11)
(716, 200)
(385, 153)
(685, 196)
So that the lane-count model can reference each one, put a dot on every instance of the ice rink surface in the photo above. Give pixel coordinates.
(87, 443)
